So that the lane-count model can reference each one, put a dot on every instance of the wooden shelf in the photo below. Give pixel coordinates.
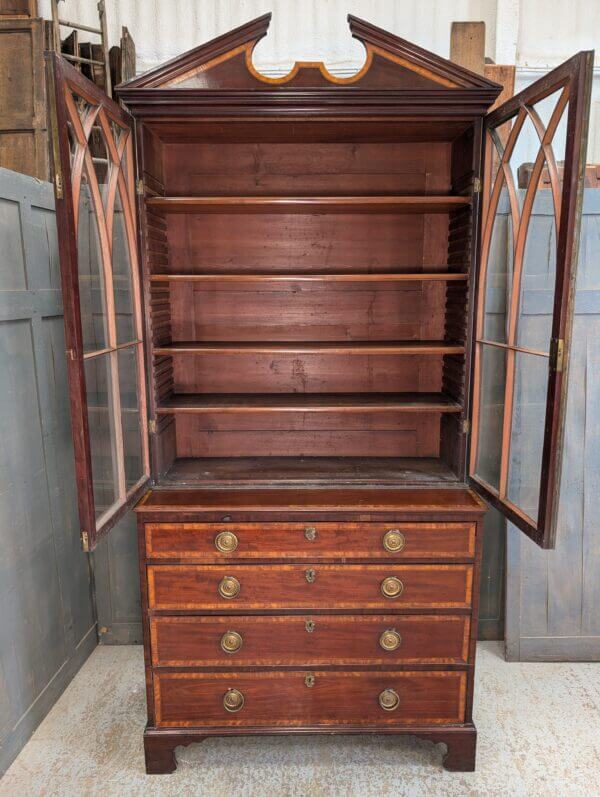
(357, 277)
(312, 402)
(306, 471)
(341, 347)
(307, 204)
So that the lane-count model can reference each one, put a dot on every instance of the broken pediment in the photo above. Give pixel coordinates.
(391, 63)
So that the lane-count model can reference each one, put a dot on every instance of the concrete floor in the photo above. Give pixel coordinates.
(539, 734)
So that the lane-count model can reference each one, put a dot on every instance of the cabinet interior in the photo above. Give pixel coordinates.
(308, 294)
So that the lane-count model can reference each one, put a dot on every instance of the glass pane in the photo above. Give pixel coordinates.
(102, 432)
(491, 413)
(130, 415)
(527, 434)
(499, 273)
(91, 281)
(534, 324)
(73, 145)
(495, 148)
(84, 108)
(523, 157)
(545, 108)
(538, 276)
(117, 131)
(100, 157)
(121, 264)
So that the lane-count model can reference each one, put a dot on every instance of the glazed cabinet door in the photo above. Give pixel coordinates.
(93, 151)
(535, 147)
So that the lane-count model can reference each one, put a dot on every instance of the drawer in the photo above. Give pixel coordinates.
(230, 542)
(264, 587)
(300, 698)
(320, 640)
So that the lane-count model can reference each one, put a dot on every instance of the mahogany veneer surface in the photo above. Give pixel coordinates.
(196, 587)
(308, 268)
(321, 640)
(281, 698)
(399, 500)
(315, 541)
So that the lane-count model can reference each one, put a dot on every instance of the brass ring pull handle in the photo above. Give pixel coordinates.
(233, 700)
(391, 587)
(310, 533)
(310, 575)
(231, 641)
(390, 639)
(394, 541)
(389, 700)
(226, 541)
(229, 587)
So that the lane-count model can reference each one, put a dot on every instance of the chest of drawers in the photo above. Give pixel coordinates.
(310, 611)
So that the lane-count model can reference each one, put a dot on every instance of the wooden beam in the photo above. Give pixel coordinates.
(505, 75)
(467, 45)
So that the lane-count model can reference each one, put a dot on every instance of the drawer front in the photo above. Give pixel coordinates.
(300, 698)
(319, 639)
(309, 540)
(201, 587)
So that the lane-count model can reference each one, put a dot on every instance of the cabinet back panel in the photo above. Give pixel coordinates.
(304, 243)
(413, 436)
(306, 373)
(300, 169)
(296, 312)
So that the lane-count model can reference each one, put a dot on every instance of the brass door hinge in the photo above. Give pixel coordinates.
(466, 426)
(557, 355)
(71, 354)
(55, 143)
(152, 427)
(85, 541)
(476, 185)
(139, 187)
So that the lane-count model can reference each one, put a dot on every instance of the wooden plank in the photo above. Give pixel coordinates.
(23, 130)
(314, 501)
(122, 59)
(504, 74)
(297, 402)
(440, 276)
(308, 471)
(404, 347)
(308, 204)
(18, 8)
(467, 45)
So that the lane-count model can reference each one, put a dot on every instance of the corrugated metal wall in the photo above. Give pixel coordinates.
(300, 29)
(532, 33)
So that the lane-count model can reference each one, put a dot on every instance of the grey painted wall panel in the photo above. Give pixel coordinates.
(47, 623)
(553, 606)
(117, 585)
(491, 593)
